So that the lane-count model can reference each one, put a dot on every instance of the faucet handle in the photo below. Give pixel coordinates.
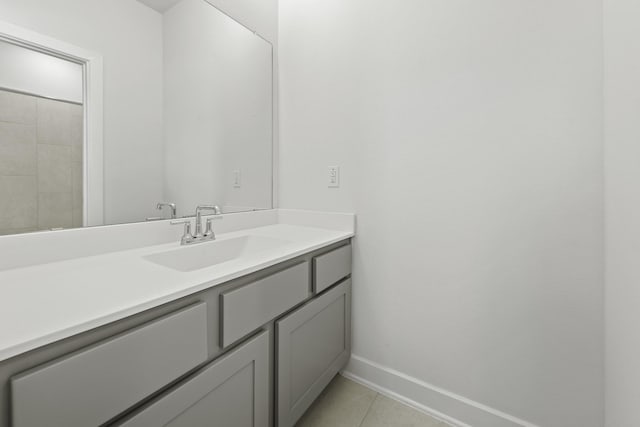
(187, 237)
(208, 232)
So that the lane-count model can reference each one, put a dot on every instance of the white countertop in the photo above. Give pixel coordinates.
(45, 303)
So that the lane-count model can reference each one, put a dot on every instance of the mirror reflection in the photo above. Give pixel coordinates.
(105, 124)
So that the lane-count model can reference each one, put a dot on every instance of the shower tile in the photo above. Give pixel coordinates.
(77, 128)
(17, 231)
(76, 194)
(17, 149)
(19, 207)
(77, 110)
(54, 122)
(54, 169)
(55, 210)
(77, 219)
(76, 153)
(17, 108)
(76, 178)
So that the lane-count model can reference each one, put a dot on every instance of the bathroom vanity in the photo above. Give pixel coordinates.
(250, 341)
(107, 319)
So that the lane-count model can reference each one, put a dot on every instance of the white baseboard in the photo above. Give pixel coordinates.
(435, 401)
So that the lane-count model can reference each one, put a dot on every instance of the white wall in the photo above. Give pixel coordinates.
(622, 137)
(259, 15)
(40, 74)
(218, 110)
(469, 136)
(129, 36)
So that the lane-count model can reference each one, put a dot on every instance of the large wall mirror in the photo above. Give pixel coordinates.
(115, 111)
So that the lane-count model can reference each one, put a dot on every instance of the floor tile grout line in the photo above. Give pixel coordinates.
(369, 409)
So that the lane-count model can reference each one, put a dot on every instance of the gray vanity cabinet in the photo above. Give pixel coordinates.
(330, 268)
(313, 343)
(255, 351)
(232, 391)
(92, 385)
(248, 307)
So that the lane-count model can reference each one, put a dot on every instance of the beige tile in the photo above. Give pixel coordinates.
(17, 149)
(76, 194)
(54, 169)
(77, 218)
(76, 182)
(55, 210)
(17, 231)
(17, 133)
(77, 110)
(342, 404)
(387, 412)
(19, 207)
(54, 122)
(76, 153)
(17, 108)
(77, 129)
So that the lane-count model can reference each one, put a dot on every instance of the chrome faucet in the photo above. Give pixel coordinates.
(199, 236)
(209, 230)
(174, 212)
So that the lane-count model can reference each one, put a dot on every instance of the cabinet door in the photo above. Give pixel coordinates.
(232, 391)
(313, 344)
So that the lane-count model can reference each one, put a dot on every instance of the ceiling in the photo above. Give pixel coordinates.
(159, 5)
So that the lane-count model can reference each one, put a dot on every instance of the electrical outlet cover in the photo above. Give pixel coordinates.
(333, 176)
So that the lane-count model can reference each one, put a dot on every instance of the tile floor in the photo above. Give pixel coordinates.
(345, 403)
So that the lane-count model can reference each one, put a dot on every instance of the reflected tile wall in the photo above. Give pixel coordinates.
(40, 163)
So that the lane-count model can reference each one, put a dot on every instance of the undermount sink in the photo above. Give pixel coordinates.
(203, 255)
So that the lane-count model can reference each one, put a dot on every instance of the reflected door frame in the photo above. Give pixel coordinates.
(93, 163)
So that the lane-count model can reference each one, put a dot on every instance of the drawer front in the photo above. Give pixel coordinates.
(331, 267)
(96, 384)
(313, 343)
(231, 391)
(245, 309)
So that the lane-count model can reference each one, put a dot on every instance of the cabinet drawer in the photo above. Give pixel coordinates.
(313, 343)
(331, 267)
(93, 385)
(245, 309)
(231, 391)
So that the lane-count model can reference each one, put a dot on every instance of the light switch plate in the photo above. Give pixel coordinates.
(237, 179)
(333, 176)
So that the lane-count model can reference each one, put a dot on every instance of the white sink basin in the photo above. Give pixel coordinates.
(203, 255)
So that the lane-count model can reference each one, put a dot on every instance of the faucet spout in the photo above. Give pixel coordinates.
(216, 211)
(169, 205)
